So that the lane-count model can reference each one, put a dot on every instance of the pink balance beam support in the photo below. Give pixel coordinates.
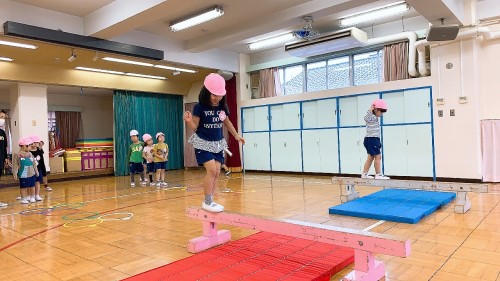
(365, 244)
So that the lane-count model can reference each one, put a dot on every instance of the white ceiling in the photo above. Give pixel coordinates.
(64, 90)
(76, 8)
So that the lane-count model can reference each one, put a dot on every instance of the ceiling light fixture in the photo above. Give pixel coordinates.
(272, 41)
(198, 18)
(375, 14)
(6, 59)
(127, 61)
(72, 58)
(145, 76)
(19, 45)
(99, 70)
(175, 68)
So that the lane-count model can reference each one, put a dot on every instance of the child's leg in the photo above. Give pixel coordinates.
(37, 188)
(142, 176)
(368, 164)
(32, 191)
(163, 175)
(158, 175)
(151, 177)
(378, 166)
(216, 178)
(132, 177)
(208, 183)
(24, 193)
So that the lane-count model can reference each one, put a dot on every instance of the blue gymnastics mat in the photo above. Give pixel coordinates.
(397, 205)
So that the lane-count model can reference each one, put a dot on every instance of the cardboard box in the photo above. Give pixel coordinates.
(56, 165)
(73, 160)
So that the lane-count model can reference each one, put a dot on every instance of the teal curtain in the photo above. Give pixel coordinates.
(148, 113)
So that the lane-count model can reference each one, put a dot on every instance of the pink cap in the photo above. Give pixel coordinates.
(146, 137)
(35, 138)
(215, 84)
(25, 141)
(380, 104)
(159, 134)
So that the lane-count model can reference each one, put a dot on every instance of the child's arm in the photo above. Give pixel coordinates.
(370, 117)
(129, 153)
(144, 155)
(191, 120)
(233, 131)
(15, 165)
(166, 153)
(35, 165)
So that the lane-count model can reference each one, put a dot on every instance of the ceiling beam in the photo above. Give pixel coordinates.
(121, 16)
(452, 11)
(271, 22)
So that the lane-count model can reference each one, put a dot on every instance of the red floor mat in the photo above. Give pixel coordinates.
(258, 257)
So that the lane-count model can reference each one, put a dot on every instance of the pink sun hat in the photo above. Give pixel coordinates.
(25, 141)
(380, 104)
(215, 84)
(35, 138)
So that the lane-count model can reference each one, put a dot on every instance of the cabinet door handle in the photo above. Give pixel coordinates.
(285, 144)
(298, 115)
(317, 143)
(267, 117)
(406, 142)
(335, 112)
(429, 104)
(302, 115)
(340, 112)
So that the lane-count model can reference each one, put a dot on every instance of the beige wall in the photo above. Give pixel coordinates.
(97, 111)
(97, 114)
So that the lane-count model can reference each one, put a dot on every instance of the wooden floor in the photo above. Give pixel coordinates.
(132, 230)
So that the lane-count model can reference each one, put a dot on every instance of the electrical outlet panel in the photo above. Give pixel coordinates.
(440, 101)
(440, 113)
(452, 112)
(462, 99)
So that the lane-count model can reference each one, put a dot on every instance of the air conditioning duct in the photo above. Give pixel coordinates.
(329, 43)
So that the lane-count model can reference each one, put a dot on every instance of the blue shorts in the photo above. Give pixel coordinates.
(161, 165)
(203, 156)
(136, 168)
(40, 176)
(151, 167)
(27, 182)
(372, 145)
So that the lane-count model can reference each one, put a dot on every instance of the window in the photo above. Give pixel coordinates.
(367, 68)
(338, 73)
(52, 121)
(316, 76)
(334, 73)
(294, 80)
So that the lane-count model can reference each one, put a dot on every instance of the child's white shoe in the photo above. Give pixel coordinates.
(2, 204)
(19, 197)
(382, 177)
(366, 176)
(38, 198)
(24, 201)
(132, 184)
(158, 184)
(164, 184)
(213, 207)
(144, 183)
(48, 188)
(32, 199)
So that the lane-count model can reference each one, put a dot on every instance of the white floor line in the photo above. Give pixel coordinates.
(373, 225)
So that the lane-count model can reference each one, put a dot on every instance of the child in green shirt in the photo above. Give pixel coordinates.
(135, 158)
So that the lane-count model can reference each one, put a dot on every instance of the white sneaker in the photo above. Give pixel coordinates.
(3, 204)
(38, 198)
(24, 201)
(382, 177)
(158, 184)
(366, 176)
(132, 184)
(32, 199)
(48, 188)
(152, 184)
(19, 197)
(144, 183)
(164, 184)
(213, 207)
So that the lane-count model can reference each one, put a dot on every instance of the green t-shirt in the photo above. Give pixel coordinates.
(135, 153)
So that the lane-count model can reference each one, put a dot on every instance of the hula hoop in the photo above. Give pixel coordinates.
(71, 223)
(126, 216)
(86, 217)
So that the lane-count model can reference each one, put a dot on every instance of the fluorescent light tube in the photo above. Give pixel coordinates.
(199, 18)
(145, 76)
(99, 70)
(127, 61)
(375, 14)
(6, 59)
(175, 68)
(19, 45)
(272, 41)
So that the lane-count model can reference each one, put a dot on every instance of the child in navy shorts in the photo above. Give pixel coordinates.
(147, 154)
(24, 168)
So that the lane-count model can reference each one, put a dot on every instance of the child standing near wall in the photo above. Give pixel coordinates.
(45, 179)
(148, 156)
(37, 152)
(372, 140)
(24, 168)
(135, 158)
(160, 152)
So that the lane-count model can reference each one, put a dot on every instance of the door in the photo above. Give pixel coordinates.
(328, 151)
(286, 151)
(261, 116)
(348, 110)
(256, 152)
(395, 151)
(310, 114)
(311, 151)
(396, 108)
(285, 116)
(249, 119)
(327, 113)
(417, 106)
(419, 151)
(350, 150)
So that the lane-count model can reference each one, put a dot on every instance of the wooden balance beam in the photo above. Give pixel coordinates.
(365, 244)
(462, 204)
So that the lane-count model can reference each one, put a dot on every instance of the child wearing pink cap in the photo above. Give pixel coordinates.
(24, 168)
(147, 154)
(372, 140)
(207, 119)
(160, 153)
(37, 152)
